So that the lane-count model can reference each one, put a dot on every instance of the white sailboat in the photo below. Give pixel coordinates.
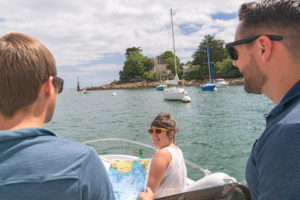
(175, 92)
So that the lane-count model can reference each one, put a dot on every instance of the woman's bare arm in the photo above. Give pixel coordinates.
(159, 164)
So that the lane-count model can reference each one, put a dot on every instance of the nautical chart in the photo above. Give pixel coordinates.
(128, 177)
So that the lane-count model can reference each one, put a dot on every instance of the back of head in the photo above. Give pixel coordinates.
(25, 64)
(280, 17)
(164, 120)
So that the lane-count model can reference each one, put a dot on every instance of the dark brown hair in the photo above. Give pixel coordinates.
(164, 120)
(25, 64)
(281, 17)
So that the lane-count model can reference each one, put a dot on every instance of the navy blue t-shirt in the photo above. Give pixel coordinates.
(273, 168)
(36, 164)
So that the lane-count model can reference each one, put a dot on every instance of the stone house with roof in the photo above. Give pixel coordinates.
(160, 67)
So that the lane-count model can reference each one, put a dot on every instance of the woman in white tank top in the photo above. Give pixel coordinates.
(167, 174)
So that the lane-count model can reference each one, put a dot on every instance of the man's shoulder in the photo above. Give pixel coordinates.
(282, 135)
(287, 120)
(53, 139)
(70, 144)
(45, 154)
(41, 142)
(66, 147)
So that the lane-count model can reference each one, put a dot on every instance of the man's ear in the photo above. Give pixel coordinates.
(48, 86)
(265, 48)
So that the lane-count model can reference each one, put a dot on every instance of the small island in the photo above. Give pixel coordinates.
(152, 84)
(139, 71)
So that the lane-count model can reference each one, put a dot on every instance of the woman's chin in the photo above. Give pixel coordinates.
(155, 143)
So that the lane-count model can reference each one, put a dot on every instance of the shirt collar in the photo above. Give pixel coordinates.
(288, 98)
(6, 135)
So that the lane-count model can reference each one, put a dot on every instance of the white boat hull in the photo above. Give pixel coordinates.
(221, 83)
(174, 93)
(208, 181)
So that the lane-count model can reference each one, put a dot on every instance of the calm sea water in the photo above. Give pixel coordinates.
(216, 130)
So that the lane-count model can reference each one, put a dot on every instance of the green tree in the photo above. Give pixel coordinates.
(168, 57)
(149, 64)
(149, 77)
(197, 74)
(189, 63)
(216, 50)
(136, 65)
(138, 50)
(226, 69)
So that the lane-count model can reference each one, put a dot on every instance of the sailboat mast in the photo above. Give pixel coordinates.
(208, 61)
(173, 43)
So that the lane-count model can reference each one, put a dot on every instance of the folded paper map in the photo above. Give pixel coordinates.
(128, 177)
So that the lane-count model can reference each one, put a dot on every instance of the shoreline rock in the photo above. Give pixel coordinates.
(144, 84)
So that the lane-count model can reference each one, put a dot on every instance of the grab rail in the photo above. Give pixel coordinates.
(205, 171)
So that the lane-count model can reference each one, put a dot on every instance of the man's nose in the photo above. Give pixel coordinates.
(234, 63)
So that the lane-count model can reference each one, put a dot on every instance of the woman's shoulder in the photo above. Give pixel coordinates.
(173, 149)
(162, 154)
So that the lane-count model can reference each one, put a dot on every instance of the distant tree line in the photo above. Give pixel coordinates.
(137, 67)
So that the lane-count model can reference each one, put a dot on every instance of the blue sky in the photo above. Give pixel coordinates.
(88, 38)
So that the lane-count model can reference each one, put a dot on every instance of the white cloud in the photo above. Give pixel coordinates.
(80, 32)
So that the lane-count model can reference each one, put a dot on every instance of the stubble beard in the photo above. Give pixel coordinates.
(254, 77)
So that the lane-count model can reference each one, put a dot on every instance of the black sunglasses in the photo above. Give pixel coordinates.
(59, 83)
(233, 53)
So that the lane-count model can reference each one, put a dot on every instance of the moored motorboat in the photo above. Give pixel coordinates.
(160, 87)
(84, 91)
(221, 83)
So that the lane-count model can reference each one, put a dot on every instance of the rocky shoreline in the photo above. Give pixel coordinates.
(153, 84)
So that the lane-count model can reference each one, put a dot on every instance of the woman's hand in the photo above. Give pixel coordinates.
(148, 195)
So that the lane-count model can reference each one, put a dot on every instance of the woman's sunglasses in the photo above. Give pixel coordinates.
(234, 54)
(59, 83)
(157, 130)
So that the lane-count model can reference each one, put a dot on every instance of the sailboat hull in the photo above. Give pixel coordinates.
(174, 93)
(208, 87)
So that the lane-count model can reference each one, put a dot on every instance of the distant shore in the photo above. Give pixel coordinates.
(153, 84)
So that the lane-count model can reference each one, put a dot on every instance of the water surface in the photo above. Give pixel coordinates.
(216, 130)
